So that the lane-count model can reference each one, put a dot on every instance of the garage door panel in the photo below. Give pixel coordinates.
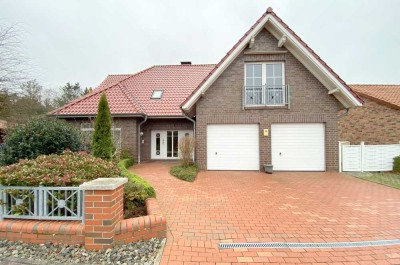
(298, 147)
(233, 147)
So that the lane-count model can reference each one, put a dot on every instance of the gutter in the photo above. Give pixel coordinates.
(93, 115)
(139, 137)
(194, 131)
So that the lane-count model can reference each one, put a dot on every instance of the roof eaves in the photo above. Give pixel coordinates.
(316, 56)
(379, 100)
(226, 56)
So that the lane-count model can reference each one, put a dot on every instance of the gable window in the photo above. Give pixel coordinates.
(265, 84)
(157, 94)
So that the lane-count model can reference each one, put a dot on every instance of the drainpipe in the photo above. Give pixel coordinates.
(194, 130)
(344, 114)
(139, 137)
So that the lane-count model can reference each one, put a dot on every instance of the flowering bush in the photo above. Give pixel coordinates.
(68, 169)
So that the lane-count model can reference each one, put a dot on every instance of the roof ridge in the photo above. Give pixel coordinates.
(132, 99)
(95, 92)
(118, 74)
(184, 65)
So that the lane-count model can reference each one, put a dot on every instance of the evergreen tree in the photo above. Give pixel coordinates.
(102, 143)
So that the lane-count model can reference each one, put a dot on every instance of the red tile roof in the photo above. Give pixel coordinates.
(389, 94)
(131, 94)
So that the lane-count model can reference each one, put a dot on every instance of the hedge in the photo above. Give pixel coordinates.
(396, 164)
(124, 165)
(68, 169)
(39, 137)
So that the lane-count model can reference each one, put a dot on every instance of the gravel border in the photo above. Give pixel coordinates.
(138, 253)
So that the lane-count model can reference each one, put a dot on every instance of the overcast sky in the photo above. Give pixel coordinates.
(83, 41)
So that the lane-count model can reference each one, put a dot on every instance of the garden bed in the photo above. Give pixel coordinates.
(390, 179)
(186, 173)
(143, 252)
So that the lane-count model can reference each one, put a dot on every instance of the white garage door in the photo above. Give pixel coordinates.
(298, 146)
(233, 147)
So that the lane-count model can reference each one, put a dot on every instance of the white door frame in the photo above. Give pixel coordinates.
(160, 137)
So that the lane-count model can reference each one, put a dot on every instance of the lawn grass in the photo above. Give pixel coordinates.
(387, 178)
(186, 173)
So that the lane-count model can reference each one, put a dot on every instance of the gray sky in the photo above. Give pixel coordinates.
(83, 41)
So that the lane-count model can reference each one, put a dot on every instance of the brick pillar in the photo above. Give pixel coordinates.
(103, 210)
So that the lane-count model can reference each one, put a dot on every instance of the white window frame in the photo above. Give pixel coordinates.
(264, 82)
(157, 91)
(85, 128)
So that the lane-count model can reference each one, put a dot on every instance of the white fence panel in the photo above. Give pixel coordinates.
(368, 157)
(380, 157)
(352, 158)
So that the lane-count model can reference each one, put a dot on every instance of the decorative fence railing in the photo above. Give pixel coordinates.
(42, 203)
(266, 95)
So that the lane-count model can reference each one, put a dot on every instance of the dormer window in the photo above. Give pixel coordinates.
(157, 94)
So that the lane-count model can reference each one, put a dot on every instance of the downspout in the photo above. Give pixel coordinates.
(194, 131)
(139, 137)
(344, 114)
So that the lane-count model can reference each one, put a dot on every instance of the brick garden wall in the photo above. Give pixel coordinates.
(103, 226)
(310, 103)
(373, 123)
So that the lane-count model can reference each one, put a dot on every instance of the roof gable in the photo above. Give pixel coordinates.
(296, 46)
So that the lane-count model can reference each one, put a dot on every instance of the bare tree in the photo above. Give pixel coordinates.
(12, 62)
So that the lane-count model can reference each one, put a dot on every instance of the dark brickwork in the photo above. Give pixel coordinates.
(373, 123)
(128, 131)
(310, 103)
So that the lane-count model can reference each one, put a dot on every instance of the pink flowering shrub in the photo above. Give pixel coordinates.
(68, 169)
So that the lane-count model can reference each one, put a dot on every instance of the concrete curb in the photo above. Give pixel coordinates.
(160, 252)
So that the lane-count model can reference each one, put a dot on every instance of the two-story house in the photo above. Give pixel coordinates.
(270, 99)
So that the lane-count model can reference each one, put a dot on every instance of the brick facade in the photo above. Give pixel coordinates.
(128, 131)
(310, 103)
(373, 123)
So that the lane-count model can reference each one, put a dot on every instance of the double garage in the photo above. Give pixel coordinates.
(292, 146)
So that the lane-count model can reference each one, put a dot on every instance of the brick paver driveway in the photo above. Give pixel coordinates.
(291, 207)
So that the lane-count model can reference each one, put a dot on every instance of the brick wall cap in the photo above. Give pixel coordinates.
(104, 184)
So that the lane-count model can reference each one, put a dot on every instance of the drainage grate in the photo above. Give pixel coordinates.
(311, 245)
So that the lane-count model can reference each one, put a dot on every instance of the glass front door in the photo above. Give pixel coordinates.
(172, 144)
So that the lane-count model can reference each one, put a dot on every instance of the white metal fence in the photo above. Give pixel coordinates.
(367, 157)
(42, 203)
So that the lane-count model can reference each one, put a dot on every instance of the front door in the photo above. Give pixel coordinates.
(165, 143)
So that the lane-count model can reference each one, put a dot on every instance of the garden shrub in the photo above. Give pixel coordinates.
(102, 141)
(124, 165)
(39, 137)
(186, 148)
(396, 164)
(134, 199)
(68, 169)
(186, 173)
